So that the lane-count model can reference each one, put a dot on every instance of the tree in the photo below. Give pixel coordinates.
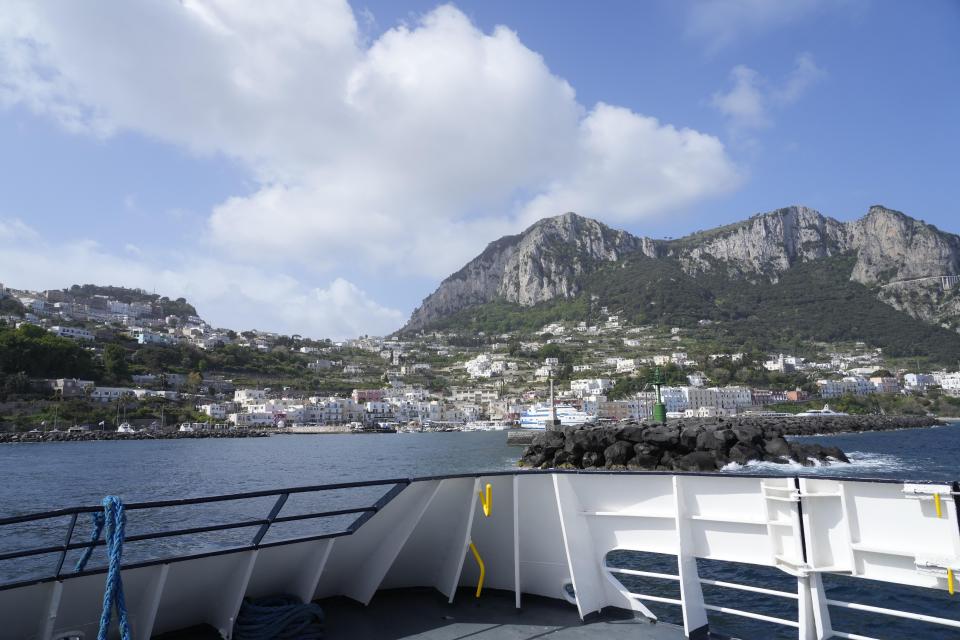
(194, 380)
(115, 362)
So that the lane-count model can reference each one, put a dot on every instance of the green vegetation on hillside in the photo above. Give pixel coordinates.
(812, 301)
(11, 306)
(934, 402)
(500, 317)
(37, 353)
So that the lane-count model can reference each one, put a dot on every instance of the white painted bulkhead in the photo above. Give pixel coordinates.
(546, 531)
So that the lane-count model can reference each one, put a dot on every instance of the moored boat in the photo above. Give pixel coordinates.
(126, 427)
(537, 416)
(825, 412)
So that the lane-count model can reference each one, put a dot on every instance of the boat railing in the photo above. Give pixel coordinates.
(262, 525)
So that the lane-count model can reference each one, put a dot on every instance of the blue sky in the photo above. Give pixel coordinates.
(318, 167)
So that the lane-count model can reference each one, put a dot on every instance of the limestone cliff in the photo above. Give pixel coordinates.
(546, 261)
(897, 256)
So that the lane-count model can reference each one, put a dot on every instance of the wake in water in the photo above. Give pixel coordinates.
(861, 463)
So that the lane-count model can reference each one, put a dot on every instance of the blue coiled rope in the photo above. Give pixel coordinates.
(278, 618)
(115, 521)
(274, 618)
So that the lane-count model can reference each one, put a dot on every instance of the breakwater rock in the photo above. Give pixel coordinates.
(82, 436)
(700, 444)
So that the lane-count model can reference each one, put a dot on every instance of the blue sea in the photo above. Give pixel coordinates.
(46, 476)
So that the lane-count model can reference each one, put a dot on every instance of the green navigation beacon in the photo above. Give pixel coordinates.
(659, 409)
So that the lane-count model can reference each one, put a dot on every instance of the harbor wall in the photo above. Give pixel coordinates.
(83, 436)
(701, 444)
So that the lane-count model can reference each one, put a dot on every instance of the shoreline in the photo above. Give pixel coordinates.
(101, 436)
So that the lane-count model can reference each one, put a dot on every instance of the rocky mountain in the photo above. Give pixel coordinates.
(544, 262)
(893, 257)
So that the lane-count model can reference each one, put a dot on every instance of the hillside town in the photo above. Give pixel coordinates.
(432, 380)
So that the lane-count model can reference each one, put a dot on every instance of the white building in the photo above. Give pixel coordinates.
(626, 365)
(918, 381)
(72, 333)
(590, 386)
(246, 397)
(251, 419)
(543, 373)
(217, 411)
(854, 385)
(149, 337)
(885, 384)
(675, 399)
(950, 383)
(417, 367)
(483, 366)
(109, 394)
(697, 379)
(475, 396)
(781, 364)
(156, 393)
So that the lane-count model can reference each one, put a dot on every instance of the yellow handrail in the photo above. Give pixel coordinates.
(483, 569)
(950, 587)
(936, 503)
(486, 501)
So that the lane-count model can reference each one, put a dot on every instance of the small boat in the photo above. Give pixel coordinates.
(125, 427)
(536, 416)
(826, 411)
(485, 425)
(185, 428)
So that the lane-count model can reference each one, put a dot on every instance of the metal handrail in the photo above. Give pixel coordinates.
(133, 506)
(264, 524)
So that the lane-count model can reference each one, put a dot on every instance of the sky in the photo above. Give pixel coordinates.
(318, 167)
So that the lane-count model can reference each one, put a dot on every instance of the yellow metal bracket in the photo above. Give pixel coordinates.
(487, 501)
(483, 569)
(939, 507)
(950, 583)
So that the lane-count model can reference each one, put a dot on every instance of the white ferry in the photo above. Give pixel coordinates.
(535, 554)
(125, 427)
(826, 411)
(186, 427)
(485, 425)
(536, 416)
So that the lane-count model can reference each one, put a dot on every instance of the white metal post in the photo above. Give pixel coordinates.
(516, 541)
(695, 624)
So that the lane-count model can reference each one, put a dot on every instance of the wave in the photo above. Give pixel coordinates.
(860, 462)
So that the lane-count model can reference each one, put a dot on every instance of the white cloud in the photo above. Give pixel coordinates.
(16, 230)
(629, 166)
(747, 105)
(228, 294)
(805, 74)
(405, 154)
(719, 23)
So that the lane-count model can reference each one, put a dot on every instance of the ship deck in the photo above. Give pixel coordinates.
(424, 614)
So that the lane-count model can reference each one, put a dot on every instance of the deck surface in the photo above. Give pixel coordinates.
(424, 614)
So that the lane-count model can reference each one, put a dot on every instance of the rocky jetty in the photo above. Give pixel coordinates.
(82, 436)
(700, 445)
